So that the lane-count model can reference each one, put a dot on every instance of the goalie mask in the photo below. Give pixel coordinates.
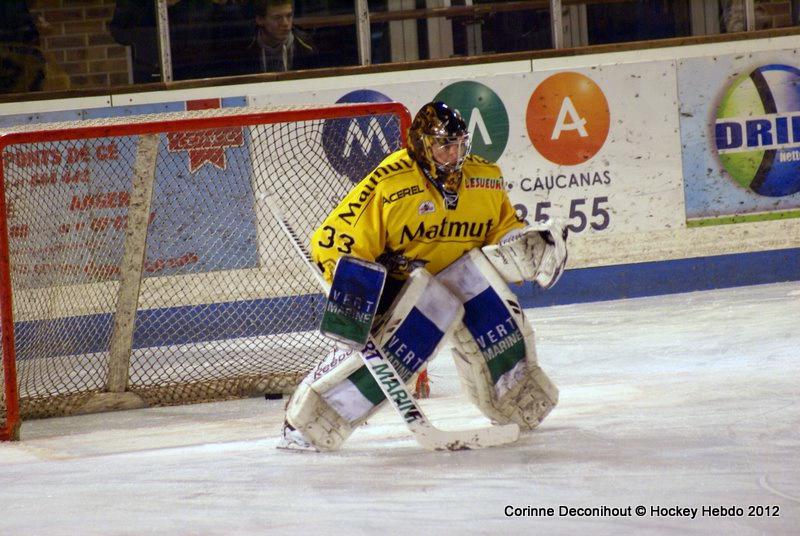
(438, 141)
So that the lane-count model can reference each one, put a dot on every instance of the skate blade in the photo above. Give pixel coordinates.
(290, 443)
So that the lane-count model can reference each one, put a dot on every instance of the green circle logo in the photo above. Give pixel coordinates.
(756, 130)
(484, 113)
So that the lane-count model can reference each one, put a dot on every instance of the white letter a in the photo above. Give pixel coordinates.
(476, 120)
(576, 121)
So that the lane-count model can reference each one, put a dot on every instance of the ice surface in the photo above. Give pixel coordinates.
(685, 401)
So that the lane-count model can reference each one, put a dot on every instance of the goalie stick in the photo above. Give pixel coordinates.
(394, 387)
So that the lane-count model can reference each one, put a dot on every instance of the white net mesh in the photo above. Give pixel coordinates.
(226, 309)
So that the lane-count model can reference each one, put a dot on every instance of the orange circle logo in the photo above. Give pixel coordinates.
(568, 118)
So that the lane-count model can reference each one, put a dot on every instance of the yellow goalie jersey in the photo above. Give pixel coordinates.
(396, 217)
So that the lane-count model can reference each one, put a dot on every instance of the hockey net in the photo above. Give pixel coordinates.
(142, 265)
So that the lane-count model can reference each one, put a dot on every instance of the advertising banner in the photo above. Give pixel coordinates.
(740, 131)
(598, 147)
(83, 189)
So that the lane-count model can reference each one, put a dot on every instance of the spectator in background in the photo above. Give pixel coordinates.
(513, 31)
(22, 64)
(202, 36)
(767, 15)
(278, 45)
(637, 21)
(733, 16)
(134, 25)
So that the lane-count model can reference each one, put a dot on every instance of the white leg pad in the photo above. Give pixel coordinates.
(526, 403)
(340, 393)
(494, 346)
(308, 412)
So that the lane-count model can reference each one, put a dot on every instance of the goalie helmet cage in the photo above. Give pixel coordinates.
(140, 267)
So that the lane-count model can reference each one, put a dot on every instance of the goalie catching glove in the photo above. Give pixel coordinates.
(536, 253)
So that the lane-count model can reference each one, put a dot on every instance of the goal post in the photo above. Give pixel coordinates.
(139, 266)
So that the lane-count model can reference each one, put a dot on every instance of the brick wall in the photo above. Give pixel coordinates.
(80, 52)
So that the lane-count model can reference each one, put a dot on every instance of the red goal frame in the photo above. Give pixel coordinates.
(139, 125)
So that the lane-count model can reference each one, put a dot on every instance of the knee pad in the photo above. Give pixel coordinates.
(494, 347)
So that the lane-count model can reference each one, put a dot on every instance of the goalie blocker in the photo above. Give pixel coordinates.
(353, 301)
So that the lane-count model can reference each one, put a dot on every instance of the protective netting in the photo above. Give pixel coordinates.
(226, 308)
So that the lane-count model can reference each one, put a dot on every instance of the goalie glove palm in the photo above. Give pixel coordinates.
(536, 253)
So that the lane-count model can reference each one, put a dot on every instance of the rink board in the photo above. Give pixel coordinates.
(576, 286)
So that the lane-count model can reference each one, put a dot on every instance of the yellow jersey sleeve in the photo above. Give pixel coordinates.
(507, 222)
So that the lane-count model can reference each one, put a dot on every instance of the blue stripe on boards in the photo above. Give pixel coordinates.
(173, 325)
(665, 277)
